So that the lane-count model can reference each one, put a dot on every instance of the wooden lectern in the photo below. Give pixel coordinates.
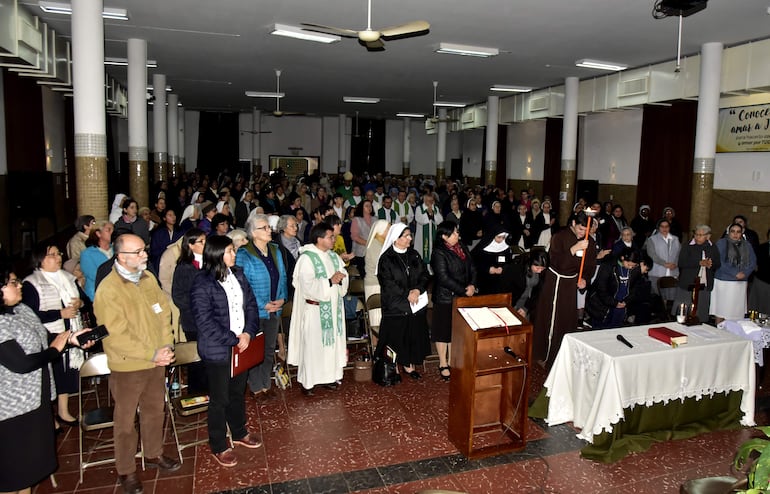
(488, 390)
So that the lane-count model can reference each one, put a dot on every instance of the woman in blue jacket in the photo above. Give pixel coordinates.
(227, 316)
(265, 269)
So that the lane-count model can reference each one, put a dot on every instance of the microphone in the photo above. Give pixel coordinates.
(623, 340)
(510, 352)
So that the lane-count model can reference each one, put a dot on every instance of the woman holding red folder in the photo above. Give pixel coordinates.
(227, 315)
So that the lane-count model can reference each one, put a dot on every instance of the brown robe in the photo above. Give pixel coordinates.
(561, 304)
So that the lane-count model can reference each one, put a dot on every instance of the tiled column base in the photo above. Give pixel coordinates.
(180, 166)
(256, 167)
(91, 181)
(405, 168)
(138, 186)
(91, 174)
(161, 167)
(566, 184)
(173, 167)
(440, 172)
(342, 166)
(700, 204)
(490, 172)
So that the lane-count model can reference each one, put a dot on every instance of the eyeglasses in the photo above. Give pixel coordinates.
(13, 282)
(265, 228)
(135, 252)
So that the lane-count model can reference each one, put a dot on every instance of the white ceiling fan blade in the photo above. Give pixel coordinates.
(403, 29)
(320, 28)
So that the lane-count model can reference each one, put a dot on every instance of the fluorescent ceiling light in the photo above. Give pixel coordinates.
(65, 8)
(152, 88)
(450, 104)
(598, 64)
(510, 89)
(299, 33)
(124, 61)
(264, 94)
(410, 115)
(360, 99)
(467, 50)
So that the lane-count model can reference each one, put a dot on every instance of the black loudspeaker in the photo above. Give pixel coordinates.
(30, 194)
(588, 190)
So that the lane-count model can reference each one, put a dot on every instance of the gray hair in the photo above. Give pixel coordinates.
(238, 237)
(251, 223)
(283, 222)
(627, 228)
(703, 228)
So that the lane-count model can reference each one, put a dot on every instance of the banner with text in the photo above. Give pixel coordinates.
(744, 129)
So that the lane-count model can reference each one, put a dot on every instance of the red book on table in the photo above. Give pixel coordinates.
(668, 336)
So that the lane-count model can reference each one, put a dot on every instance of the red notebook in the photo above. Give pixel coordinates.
(254, 354)
(668, 336)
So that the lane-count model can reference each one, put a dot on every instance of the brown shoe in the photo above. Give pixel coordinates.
(131, 483)
(248, 441)
(163, 462)
(226, 458)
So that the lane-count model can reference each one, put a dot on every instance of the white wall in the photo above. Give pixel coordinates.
(742, 171)
(469, 144)
(3, 148)
(526, 150)
(191, 122)
(394, 145)
(610, 147)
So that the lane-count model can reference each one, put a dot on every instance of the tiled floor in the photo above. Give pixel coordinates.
(364, 438)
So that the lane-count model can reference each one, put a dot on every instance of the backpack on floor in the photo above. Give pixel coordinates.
(385, 372)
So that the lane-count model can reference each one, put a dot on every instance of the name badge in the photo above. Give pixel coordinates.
(157, 308)
(501, 259)
(579, 253)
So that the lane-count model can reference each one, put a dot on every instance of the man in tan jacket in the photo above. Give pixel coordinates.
(137, 314)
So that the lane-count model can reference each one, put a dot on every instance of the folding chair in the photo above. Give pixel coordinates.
(373, 317)
(97, 419)
(187, 405)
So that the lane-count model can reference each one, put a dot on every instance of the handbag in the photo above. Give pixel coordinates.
(282, 376)
(385, 372)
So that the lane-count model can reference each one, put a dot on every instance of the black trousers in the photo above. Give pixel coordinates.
(226, 405)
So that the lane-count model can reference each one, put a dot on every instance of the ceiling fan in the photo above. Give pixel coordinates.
(371, 38)
(256, 132)
(277, 95)
(434, 118)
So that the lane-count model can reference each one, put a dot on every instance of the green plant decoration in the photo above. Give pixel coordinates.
(759, 471)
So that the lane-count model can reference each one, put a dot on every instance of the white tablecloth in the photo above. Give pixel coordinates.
(595, 376)
(759, 336)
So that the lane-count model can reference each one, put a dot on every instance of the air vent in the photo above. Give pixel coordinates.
(469, 117)
(430, 124)
(539, 103)
(632, 87)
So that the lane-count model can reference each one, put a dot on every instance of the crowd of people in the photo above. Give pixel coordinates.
(218, 260)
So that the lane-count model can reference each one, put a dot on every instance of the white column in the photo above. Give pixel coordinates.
(256, 143)
(139, 173)
(441, 146)
(180, 139)
(173, 134)
(343, 141)
(490, 165)
(160, 142)
(406, 165)
(89, 110)
(568, 149)
(706, 134)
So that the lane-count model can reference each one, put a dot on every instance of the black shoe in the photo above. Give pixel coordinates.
(413, 374)
(71, 423)
(131, 483)
(443, 376)
(163, 462)
(333, 386)
(306, 391)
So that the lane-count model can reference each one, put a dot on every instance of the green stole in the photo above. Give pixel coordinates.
(327, 319)
(428, 232)
(393, 217)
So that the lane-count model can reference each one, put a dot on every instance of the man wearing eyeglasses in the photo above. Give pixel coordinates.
(137, 314)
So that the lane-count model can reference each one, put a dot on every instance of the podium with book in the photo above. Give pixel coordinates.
(491, 351)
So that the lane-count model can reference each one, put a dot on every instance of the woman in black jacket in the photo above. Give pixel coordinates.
(403, 277)
(187, 267)
(455, 275)
(616, 283)
(226, 312)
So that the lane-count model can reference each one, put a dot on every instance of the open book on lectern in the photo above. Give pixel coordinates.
(488, 317)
